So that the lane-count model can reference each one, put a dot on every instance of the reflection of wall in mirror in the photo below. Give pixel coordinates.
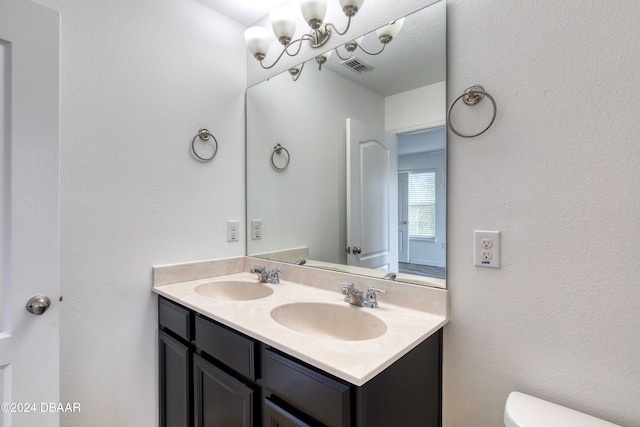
(305, 205)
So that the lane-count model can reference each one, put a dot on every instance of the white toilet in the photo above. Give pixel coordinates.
(522, 410)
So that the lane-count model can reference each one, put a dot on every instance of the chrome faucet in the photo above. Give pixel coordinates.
(266, 277)
(355, 297)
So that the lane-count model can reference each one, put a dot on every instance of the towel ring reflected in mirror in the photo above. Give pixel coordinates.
(204, 135)
(278, 149)
(472, 96)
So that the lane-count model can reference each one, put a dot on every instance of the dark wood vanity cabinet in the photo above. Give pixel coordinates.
(407, 393)
(206, 372)
(174, 360)
(211, 375)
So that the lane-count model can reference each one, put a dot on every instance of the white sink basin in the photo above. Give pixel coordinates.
(345, 323)
(234, 290)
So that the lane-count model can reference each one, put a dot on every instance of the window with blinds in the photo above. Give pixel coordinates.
(422, 205)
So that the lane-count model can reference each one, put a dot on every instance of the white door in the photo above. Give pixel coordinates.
(29, 343)
(372, 212)
(403, 217)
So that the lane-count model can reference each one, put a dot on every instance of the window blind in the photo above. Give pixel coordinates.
(422, 204)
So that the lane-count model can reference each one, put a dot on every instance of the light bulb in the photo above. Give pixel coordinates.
(321, 59)
(283, 24)
(257, 39)
(388, 32)
(350, 7)
(353, 44)
(327, 54)
(314, 12)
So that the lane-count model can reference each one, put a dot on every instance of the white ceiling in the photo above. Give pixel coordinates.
(416, 57)
(246, 12)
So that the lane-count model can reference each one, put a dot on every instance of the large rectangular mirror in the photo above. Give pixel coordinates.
(346, 160)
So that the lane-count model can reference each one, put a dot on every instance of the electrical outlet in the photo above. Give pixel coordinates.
(256, 229)
(233, 231)
(486, 243)
(486, 248)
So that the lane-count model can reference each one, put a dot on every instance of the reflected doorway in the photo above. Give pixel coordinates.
(422, 202)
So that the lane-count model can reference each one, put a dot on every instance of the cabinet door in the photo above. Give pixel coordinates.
(275, 416)
(174, 387)
(219, 399)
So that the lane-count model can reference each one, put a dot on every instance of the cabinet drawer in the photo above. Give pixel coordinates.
(175, 318)
(275, 416)
(317, 395)
(230, 348)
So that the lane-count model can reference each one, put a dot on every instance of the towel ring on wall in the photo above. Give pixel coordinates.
(472, 96)
(277, 149)
(204, 135)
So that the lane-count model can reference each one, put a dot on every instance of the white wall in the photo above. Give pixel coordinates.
(138, 80)
(558, 174)
(417, 109)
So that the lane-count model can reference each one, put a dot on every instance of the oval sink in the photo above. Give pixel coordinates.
(234, 290)
(345, 323)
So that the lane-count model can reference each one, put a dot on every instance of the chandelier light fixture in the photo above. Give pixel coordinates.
(283, 24)
(385, 35)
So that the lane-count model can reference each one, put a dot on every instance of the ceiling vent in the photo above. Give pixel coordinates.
(357, 65)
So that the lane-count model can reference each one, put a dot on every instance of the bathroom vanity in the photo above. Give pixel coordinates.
(227, 357)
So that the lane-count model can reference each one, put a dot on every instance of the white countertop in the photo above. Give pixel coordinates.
(353, 361)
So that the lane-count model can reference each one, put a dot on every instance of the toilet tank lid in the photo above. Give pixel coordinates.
(522, 410)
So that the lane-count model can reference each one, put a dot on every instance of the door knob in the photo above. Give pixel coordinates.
(38, 304)
(405, 222)
(357, 250)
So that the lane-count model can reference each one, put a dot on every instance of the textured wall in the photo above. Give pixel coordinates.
(558, 174)
(138, 80)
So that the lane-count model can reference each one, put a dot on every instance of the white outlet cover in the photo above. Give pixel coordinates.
(486, 254)
(256, 229)
(233, 231)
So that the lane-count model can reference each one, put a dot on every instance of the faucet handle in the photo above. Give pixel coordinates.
(274, 276)
(346, 286)
(372, 297)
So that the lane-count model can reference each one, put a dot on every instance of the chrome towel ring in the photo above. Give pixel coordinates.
(472, 96)
(204, 135)
(278, 149)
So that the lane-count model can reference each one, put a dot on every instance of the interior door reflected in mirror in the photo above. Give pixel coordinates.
(364, 190)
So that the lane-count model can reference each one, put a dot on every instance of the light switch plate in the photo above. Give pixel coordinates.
(486, 248)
